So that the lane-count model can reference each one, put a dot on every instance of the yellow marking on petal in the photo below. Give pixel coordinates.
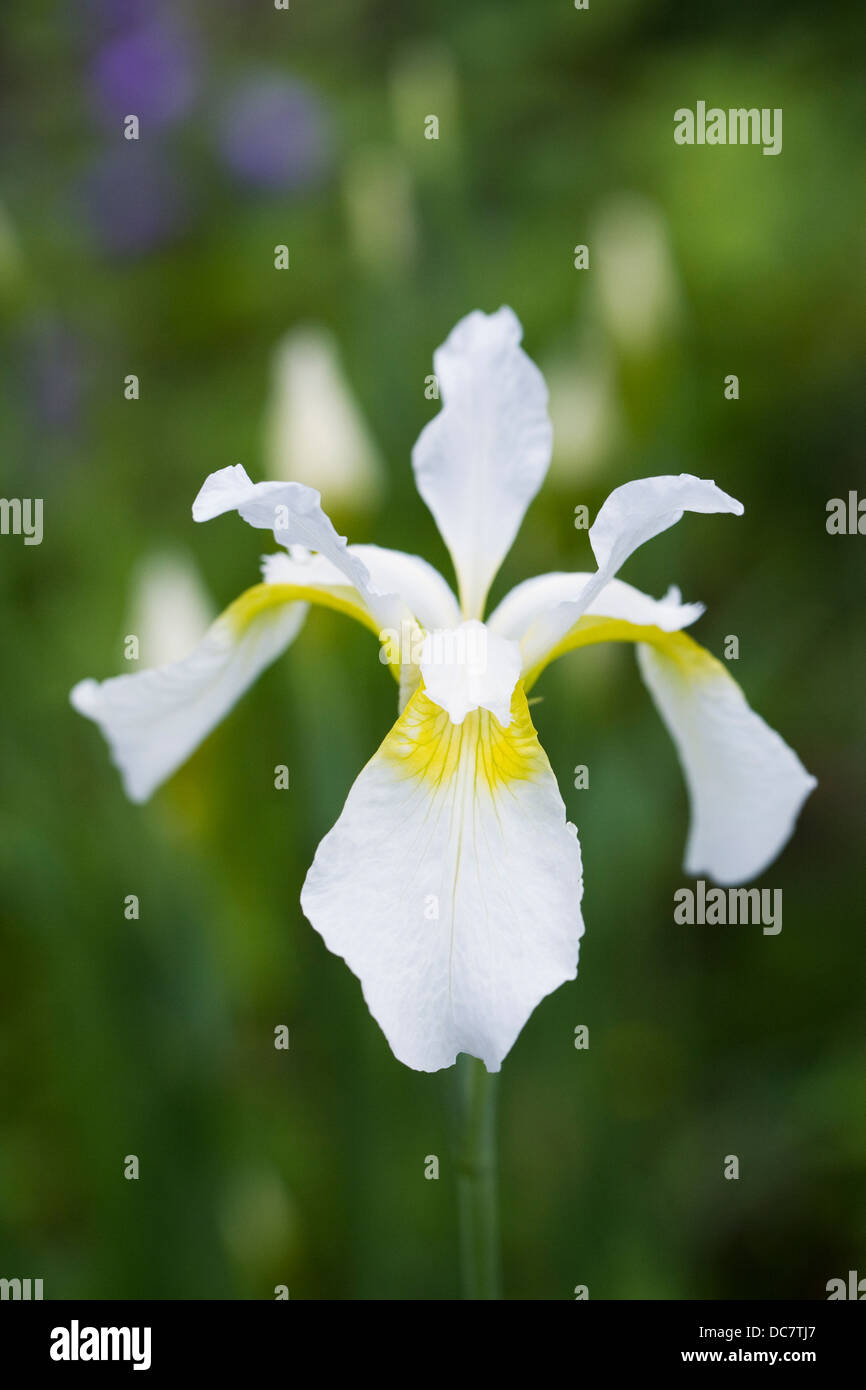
(426, 746)
(694, 660)
(343, 599)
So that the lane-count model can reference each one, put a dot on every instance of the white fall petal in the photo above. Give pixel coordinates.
(479, 463)
(451, 884)
(153, 720)
(746, 786)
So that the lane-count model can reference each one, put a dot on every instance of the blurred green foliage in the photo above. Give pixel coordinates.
(155, 1037)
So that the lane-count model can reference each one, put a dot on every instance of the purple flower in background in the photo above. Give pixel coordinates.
(150, 71)
(134, 201)
(274, 134)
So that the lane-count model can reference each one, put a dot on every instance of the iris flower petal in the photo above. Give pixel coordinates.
(451, 884)
(746, 786)
(479, 463)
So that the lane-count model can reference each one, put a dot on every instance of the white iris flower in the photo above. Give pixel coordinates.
(451, 883)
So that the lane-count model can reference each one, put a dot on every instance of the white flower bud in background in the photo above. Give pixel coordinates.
(378, 193)
(314, 431)
(634, 275)
(257, 1219)
(169, 608)
(584, 408)
(423, 84)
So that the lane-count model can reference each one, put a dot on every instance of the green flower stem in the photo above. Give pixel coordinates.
(480, 1257)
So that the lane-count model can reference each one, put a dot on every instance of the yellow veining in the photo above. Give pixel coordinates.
(257, 600)
(694, 660)
(425, 745)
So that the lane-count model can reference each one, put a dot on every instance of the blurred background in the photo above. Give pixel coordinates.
(155, 257)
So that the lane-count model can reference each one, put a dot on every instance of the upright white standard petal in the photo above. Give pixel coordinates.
(632, 514)
(480, 462)
(746, 786)
(153, 720)
(451, 884)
